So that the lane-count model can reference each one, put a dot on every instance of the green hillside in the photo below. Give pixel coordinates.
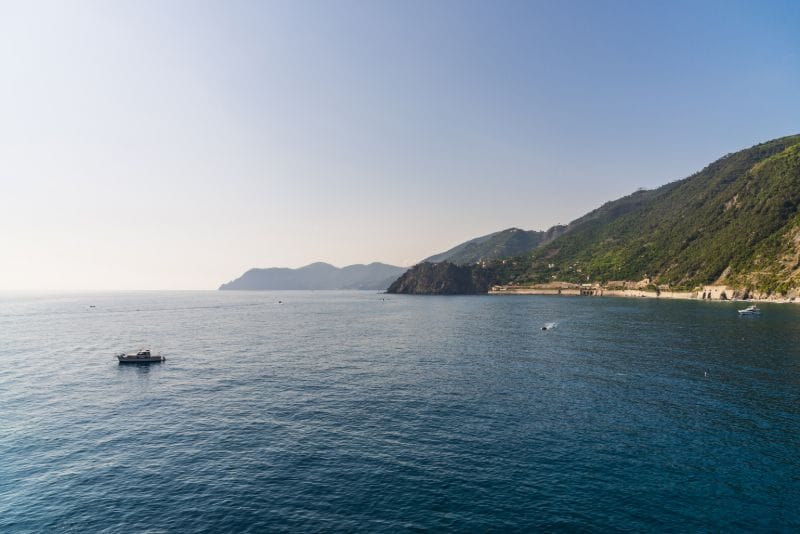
(510, 242)
(734, 222)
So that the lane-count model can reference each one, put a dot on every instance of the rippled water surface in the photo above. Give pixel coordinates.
(360, 411)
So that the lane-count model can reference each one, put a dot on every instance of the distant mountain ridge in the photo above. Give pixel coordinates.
(320, 275)
(734, 223)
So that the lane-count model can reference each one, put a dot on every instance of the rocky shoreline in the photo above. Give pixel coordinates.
(712, 293)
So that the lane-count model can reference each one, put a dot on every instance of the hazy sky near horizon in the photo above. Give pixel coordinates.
(173, 145)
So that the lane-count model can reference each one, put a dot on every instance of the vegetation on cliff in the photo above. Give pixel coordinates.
(736, 222)
(503, 244)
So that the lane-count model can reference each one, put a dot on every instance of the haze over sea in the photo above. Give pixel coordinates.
(362, 411)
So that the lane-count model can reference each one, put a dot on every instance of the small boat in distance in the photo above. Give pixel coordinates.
(750, 310)
(142, 356)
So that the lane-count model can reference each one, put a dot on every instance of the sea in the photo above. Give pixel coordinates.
(359, 411)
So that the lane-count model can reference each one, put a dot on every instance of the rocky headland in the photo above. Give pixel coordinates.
(442, 279)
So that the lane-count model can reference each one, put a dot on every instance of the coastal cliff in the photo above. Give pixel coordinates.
(443, 279)
(735, 223)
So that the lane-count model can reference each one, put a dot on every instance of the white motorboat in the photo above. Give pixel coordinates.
(142, 356)
(750, 310)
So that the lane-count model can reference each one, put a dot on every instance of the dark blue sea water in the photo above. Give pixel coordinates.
(359, 411)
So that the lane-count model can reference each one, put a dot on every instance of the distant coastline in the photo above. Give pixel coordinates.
(317, 276)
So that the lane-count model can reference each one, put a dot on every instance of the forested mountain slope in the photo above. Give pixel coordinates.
(510, 242)
(735, 222)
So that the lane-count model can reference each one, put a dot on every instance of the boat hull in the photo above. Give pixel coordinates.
(153, 359)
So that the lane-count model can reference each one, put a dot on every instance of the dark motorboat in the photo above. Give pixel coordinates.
(143, 356)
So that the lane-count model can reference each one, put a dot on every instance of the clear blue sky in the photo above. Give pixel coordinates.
(176, 144)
